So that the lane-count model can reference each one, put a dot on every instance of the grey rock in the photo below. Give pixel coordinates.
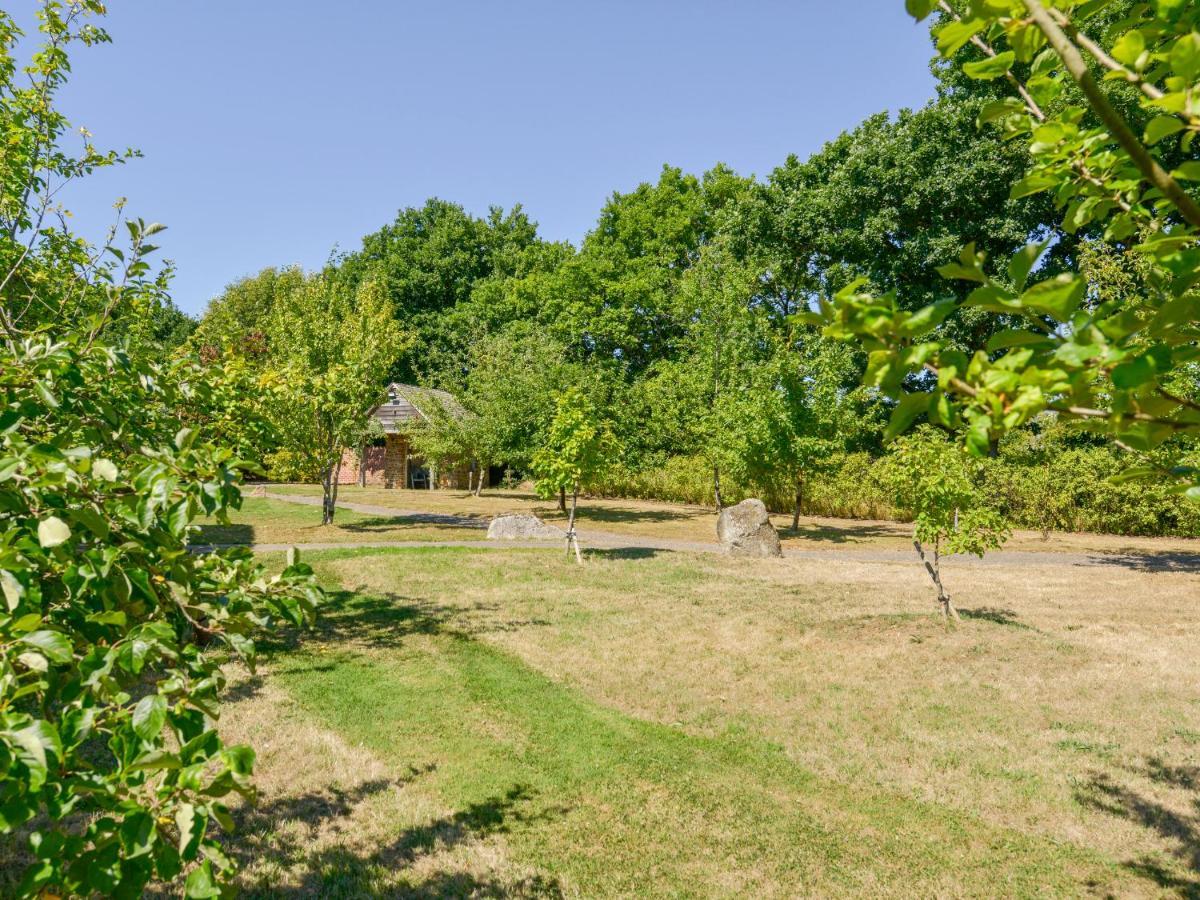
(522, 527)
(746, 530)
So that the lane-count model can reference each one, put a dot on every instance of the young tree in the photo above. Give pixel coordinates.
(507, 396)
(579, 445)
(1128, 369)
(725, 340)
(935, 478)
(111, 627)
(332, 350)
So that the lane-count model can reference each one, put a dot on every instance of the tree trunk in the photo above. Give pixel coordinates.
(362, 466)
(717, 487)
(337, 480)
(479, 479)
(562, 499)
(572, 537)
(934, 569)
(799, 501)
(327, 496)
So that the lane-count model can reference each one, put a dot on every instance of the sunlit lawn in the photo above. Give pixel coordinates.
(665, 724)
(263, 521)
(643, 518)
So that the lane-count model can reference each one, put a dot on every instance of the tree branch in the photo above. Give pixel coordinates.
(1148, 165)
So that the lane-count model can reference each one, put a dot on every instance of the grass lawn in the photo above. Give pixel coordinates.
(665, 724)
(645, 518)
(264, 521)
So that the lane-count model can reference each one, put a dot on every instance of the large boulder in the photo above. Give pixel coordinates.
(522, 527)
(746, 530)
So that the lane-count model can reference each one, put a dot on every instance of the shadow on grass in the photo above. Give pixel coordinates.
(351, 619)
(610, 516)
(996, 615)
(844, 534)
(1148, 562)
(280, 834)
(1180, 830)
(225, 534)
(377, 524)
(626, 552)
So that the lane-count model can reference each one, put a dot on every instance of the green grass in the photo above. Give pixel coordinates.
(604, 803)
(265, 521)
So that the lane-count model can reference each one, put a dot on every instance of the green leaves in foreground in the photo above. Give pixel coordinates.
(1124, 363)
(108, 683)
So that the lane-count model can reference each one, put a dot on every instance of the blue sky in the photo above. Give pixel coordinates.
(275, 130)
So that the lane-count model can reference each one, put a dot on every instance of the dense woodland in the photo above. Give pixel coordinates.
(677, 316)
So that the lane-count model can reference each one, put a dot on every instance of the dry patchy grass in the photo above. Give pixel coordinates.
(1060, 720)
(335, 820)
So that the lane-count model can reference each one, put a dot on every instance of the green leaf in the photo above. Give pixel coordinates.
(1185, 56)
(991, 67)
(54, 644)
(149, 716)
(1023, 262)
(1133, 374)
(33, 744)
(920, 9)
(1189, 171)
(1058, 297)
(1160, 127)
(1015, 337)
(53, 531)
(191, 829)
(907, 410)
(1031, 184)
(200, 882)
(955, 33)
(1129, 47)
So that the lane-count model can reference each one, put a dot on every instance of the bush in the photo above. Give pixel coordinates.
(1056, 488)
(109, 679)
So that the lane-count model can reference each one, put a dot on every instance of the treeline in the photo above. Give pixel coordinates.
(677, 316)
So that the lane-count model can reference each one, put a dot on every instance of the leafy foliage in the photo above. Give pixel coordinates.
(936, 480)
(332, 349)
(1126, 369)
(579, 446)
(111, 627)
(108, 695)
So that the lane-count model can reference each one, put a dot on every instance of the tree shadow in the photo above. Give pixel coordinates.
(995, 614)
(1172, 561)
(1179, 830)
(376, 620)
(382, 621)
(377, 524)
(280, 834)
(625, 552)
(610, 515)
(218, 534)
(838, 534)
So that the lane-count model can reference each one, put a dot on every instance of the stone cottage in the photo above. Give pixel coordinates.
(392, 461)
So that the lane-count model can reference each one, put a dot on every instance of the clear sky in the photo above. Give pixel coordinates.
(275, 130)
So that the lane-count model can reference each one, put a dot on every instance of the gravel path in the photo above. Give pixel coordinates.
(637, 544)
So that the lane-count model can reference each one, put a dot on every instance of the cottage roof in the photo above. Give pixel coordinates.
(408, 403)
